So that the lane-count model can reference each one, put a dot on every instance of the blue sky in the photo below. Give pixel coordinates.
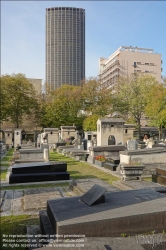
(109, 24)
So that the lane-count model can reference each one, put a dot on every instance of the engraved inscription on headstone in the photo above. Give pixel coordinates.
(95, 195)
(132, 145)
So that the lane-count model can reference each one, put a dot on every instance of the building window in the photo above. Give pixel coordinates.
(135, 64)
(146, 63)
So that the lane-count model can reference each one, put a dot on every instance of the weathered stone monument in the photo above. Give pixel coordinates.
(128, 131)
(8, 137)
(44, 138)
(17, 138)
(68, 131)
(53, 135)
(38, 140)
(132, 144)
(110, 130)
(151, 158)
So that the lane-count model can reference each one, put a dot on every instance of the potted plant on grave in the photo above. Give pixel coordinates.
(132, 171)
(100, 160)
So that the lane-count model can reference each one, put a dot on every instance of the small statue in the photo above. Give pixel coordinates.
(44, 138)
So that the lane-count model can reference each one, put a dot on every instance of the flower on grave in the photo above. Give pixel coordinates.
(100, 158)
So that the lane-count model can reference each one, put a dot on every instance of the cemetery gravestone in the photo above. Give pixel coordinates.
(132, 144)
(17, 138)
(53, 135)
(94, 195)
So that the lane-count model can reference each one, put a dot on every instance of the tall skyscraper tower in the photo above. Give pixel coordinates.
(65, 46)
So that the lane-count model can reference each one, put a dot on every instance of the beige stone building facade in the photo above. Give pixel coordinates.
(129, 60)
(37, 83)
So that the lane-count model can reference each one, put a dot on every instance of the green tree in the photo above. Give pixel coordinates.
(97, 98)
(19, 98)
(64, 105)
(156, 106)
(130, 96)
(90, 123)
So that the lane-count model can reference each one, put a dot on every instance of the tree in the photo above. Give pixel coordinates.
(156, 106)
(130, 96)
(19, 98)
(64, 105)
(90, 123)
(97, 98)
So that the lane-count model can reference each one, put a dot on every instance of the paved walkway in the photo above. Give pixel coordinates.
(30, 200)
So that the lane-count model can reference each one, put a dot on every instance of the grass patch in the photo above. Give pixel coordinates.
(7, 158)
(5, 164)
(35, 186)
(80, 170)
(16, 225)
(3, 174)
(9, 155)
(149, 179)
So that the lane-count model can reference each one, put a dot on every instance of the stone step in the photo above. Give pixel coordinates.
(45, 224)
(38, 177)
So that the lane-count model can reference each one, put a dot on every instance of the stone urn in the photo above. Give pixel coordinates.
(131, 172)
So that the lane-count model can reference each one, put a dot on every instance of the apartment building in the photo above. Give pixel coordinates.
(65, 46)
(129, 60)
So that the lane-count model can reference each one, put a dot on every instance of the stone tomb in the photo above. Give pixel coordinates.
(36, 172)
(17, 137)
(8, 137)
(68, 131)
(151, 158)
(130, 212)
(53, 135)
(110, 131)
(107, 151)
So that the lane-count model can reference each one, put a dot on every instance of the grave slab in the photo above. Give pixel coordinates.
(36, 198)
(39, 167)
(132, 212)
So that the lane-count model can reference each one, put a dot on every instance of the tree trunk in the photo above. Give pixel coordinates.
(139, 128)
(160, 133)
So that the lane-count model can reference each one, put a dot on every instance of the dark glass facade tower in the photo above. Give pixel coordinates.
(65, 46)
